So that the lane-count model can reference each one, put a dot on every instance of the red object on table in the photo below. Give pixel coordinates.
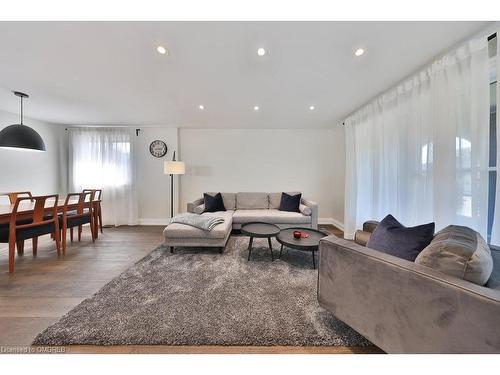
(297, 234)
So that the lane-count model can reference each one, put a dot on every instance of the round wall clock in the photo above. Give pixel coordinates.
(158, 148)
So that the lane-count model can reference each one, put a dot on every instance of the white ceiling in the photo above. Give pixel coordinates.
(110, 73)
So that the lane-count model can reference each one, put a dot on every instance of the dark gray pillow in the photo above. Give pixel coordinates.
(290, 202)
(392, 237)
(213, 203)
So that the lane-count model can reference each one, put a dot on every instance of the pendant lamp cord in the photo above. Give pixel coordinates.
(22, 110)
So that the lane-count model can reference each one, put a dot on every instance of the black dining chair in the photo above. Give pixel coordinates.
(4, 228)
(97, 208)
(83, 214)
(32, 225)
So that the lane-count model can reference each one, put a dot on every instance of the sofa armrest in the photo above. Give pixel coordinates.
(191, 205)
(403, 307)
(314, 211)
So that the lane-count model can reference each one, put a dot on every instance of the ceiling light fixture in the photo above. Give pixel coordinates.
(20, 136)
(161, 50)
(311, 108)
(256, 108)
(261, 51)
(201, 107)
(359, 52)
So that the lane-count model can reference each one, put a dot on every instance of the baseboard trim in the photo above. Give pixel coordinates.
(331, 221)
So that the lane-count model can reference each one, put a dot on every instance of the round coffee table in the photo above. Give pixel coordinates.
(311, 243)
(260, 230)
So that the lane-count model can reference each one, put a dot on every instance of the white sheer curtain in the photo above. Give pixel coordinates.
(495, 231)
(420, 151)
(104, 159)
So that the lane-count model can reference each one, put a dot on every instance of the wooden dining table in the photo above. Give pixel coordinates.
(25, 210)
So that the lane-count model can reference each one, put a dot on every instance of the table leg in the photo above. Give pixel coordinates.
(270, 248)
(250, 247)
(281, 250)
(314, 262)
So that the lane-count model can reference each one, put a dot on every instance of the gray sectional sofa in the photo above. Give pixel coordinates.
(408, 307)
(241, 208)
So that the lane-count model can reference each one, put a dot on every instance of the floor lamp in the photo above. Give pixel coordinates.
(173, 168)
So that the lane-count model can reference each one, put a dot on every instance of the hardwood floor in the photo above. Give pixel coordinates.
(45, 287)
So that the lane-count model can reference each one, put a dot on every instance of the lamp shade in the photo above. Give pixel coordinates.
(174, 167)
(21, 137)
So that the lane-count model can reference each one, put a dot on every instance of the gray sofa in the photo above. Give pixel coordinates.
(241, 208)
(406, 307)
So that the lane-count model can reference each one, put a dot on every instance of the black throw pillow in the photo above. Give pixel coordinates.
(391, 237)
(290, 202)
(213, 203)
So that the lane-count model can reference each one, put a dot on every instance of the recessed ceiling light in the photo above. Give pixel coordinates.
(201, 107)
(256, 108)
(261, 51)
(311, 108)
(161, 50)
(359, 52)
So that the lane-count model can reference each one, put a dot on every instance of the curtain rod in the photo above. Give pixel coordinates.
(137, 130)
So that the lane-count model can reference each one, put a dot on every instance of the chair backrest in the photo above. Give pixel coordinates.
(84, 201)
(39, 215)
(16, 194)
(96, 193)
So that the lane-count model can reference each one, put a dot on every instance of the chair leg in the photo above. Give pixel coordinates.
(99, 214)
(20, 247)
(58, 242)
(12, 247)
(171, 249)
(63, 235)
(35, 244)
(92, 230)
(94, 224)
(79, 233)
(71, 234)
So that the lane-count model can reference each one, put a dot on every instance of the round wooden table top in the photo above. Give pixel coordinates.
(311, 243)
(260, 229)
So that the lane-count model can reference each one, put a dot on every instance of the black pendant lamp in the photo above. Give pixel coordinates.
(21, 136)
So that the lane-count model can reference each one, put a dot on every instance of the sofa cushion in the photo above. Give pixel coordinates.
(176, 230)
(290, 202)
(213, 203)
(461, 252)
(252, 201)
(391, 237)
(229, 200)
(494, 280)
(270, 216)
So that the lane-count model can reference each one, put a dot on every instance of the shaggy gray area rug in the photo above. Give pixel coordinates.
(197, 296)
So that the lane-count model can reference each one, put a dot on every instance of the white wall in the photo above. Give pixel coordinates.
(310, 161)
(39, 172)
(153, 186)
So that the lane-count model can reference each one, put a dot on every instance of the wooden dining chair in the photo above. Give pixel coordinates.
(34, 225)
(97, 208)
(12, 196)
(71, 218)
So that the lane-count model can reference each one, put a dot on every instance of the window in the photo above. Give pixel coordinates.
(100, 158)
(493, 168)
